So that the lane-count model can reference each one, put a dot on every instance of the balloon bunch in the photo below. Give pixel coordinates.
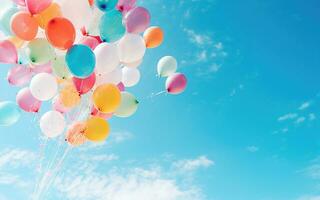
(82, 55)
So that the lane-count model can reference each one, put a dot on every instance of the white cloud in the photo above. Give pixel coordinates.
(305, 105)
(300, 120)
(198, 39)
(288, 117)
(193, 164)
(252, 149)
(119, 137)
(312, 116)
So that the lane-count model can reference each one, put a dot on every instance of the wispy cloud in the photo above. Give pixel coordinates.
(287, 117)
(252, 149)
(193, 164)
(305, 105)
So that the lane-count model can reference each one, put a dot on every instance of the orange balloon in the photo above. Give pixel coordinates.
(153, 37)
(45, 16)
(24, 26)
(69, 96)
(60, 33)
(91, 2)
(75, 135)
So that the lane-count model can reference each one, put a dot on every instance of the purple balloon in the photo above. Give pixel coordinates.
(176, 83)
(137, 20)
(126, 5)
(8, 52)
(27, 102)
(19, 75)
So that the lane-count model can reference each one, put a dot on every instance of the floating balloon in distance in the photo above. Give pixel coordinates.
(106, 98)
(43, 86)
(131, 48)
(113, 77)
(137, 20)
(8, 52)
(60, 33)
(111, 27)
(96, 113)
(37, 6)
(19, 75)
(84, 85)
(106, 5)
(5, 19)
(75, 134)
(20, 2)
(24, 26)
(107, 58)
(130, 76)
(52, 124)
(59, 67)
(153, 37)
(40, 51)
(97, 129)
(89, 41)
(128, 106)
(45, 16)
(176, 83)
(167, 66)
(9, 113)
(27, 102)
(58, 106)
(81, 61)
(69, 96)
(125, 5)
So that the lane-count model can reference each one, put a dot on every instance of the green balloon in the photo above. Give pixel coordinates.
(40, 51)
(128, 105)
(59, 67)
(9, 113)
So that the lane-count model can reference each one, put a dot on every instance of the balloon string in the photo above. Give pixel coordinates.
(152, 95)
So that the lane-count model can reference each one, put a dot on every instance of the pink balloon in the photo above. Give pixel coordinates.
(126, 5)
(176, 83)
(97, 113)
(121, 86)
(45, 68)
(37, 6)
(20, 2)
(19, 75)
(27, 102)
(84, 85)
(58, 106)
(8, 52)
(89, 41)
(137, 20)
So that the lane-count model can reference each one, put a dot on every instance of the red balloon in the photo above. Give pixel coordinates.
(84, 85)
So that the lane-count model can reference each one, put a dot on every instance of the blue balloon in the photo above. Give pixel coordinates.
(9, 113)
(111, 26)
(106, 5)
(81, 61)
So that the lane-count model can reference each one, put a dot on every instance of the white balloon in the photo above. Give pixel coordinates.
(107, 58)
(93, 26)
(52, 124)
(130, 76)
(113, 77)
(131, 48)
(43, 86)
(167, 66)
(133, 64)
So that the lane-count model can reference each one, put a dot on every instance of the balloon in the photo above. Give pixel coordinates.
(84, 85)
(24, 26)
(113, 77)
(52, 124)
(75, 134)
(60, 33)
(45, 68)
(40, 51)
(37, 6)
(121, 87)
(153, 37)
(106, 5)
(167, 66)
(111, 27)
(96, 113)
(8, 52)
(128, 106)
(97, 129)
(20, 2)
(9, 113)
(45, 16)
(89, 41)
(106, 98)
(130, 76)
(126, 5)
(58, 106)
(43, 86)
(131, 48)
(69, 96)
(133, 64)
(91, 2)
(5, 19)
(93, 26)
(19, 75)
(81, 61)
(137, 20)
(27, 102)
(107, 58)
(59, 67)
(176, 83)
(17, 42)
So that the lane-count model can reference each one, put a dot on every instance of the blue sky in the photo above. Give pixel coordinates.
(246, 128)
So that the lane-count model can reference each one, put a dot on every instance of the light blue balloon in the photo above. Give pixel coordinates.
(81, 61)
(106, 5)
(111, 27)
(9, 113)
(5, 19)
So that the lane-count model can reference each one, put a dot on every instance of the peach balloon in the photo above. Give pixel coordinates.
(69, 96)
(24, 26)
(75, 134)
(153, 37)
(45, 16)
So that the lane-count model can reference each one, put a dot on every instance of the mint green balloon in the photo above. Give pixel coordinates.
(9, 113)
(40, 51)
(59, 67)
(5, 19)
(128, 105)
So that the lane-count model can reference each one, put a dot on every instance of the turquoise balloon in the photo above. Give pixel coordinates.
(9, 113)
(5, 20)
(81, 61)
(106, 5)
(111, 27)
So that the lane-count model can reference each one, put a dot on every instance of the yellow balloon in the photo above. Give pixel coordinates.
(45, 16)
(69, 96)
(97, 129)
(16, 41)
(107, 98)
